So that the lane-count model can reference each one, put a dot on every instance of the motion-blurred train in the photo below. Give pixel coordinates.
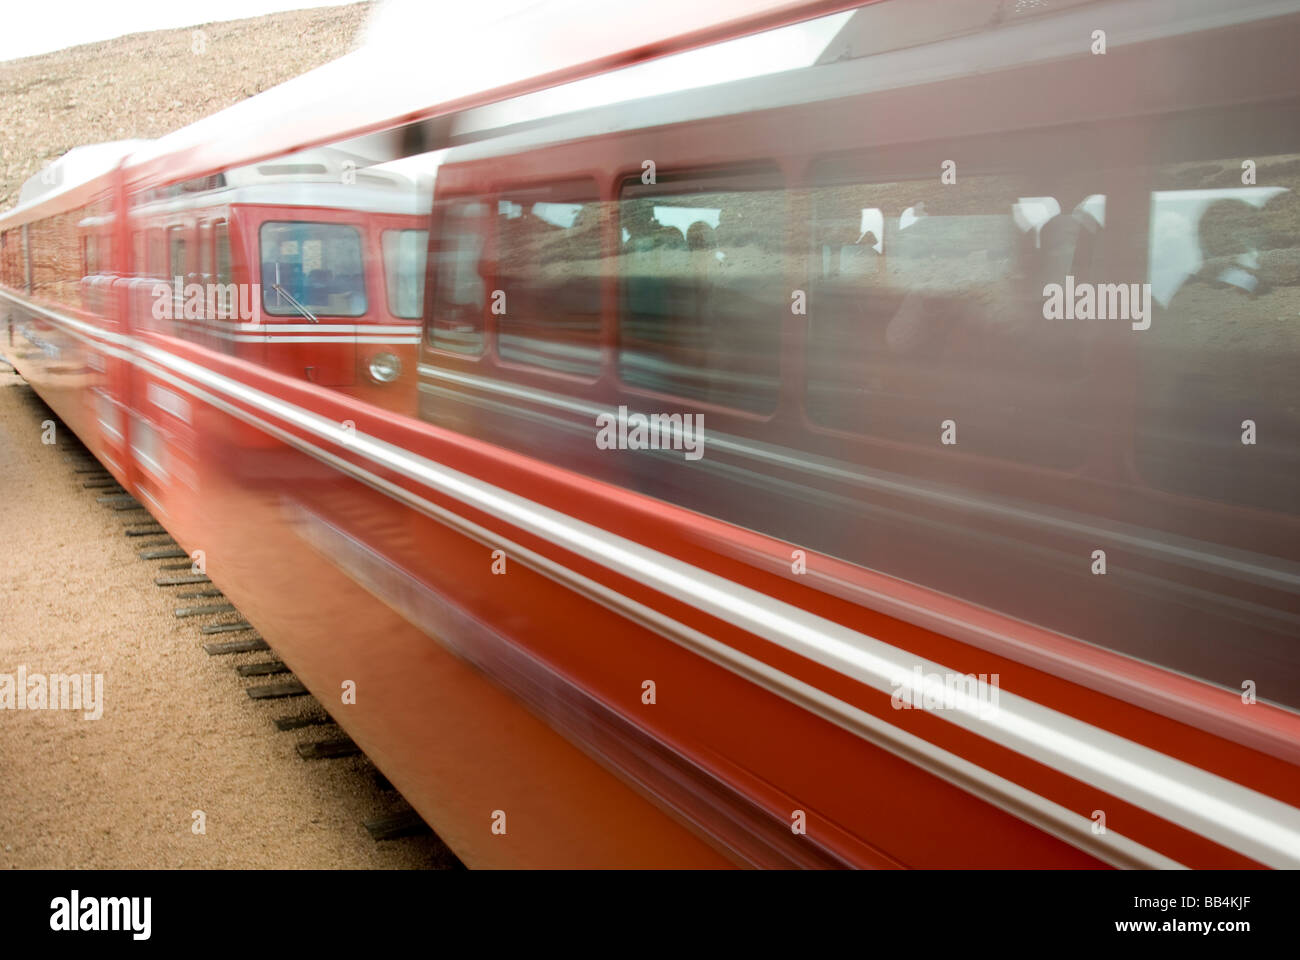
(769, 433)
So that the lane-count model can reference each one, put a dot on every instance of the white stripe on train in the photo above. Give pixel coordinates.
(1228, 813)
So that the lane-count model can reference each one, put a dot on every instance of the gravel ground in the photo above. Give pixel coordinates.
(148, 84)
(177, 733)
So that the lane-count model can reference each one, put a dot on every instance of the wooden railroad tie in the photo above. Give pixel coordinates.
(203, 611)
(195, 594)
(274, 691)
(328, 749)
(296, 721)
(250, 645)
(181, 581)
(225, 627)
(264, 669)
(404, 824)
(163, 553)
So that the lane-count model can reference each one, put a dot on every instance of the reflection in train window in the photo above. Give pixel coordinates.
(549, 268)
(459, 295)
(312, 270)
(925, 304)
(404, 259)
(1224, 268)
(702, 268)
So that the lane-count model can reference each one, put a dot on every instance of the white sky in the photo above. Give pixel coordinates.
(31, 27)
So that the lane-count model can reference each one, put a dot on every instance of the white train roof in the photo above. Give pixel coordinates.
(78, 166)
(417, 56)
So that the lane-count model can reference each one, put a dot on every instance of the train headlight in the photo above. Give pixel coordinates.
(385, 368)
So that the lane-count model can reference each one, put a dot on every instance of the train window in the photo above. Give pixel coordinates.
(55, 259)
(205, 251)
(11, 258)
(157, 263)
(221, 246)
(312, 269)
(405, 252)
(548, 245)
(925, 301)
(1224, 269)
(703, 276)
(104, 253)
(459, 293)
(178, 267)
(222, 272)
(90, 261)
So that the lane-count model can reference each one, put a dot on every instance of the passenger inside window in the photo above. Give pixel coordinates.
(703, 292)
(549, 268)
(1224, 264)
(926, 305)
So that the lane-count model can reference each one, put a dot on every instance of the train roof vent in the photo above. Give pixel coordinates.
(314, 165)
(883, 27)
(291, 169)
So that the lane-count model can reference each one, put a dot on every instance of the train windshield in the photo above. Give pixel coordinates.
(404, 257)
(312, 269)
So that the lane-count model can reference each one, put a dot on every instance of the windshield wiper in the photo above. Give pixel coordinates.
(293, 302)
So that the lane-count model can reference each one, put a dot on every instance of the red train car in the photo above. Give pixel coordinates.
(820, 442)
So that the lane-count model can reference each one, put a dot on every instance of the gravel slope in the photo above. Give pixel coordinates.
(148, 84)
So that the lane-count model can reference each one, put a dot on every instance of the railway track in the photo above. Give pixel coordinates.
(223, 632)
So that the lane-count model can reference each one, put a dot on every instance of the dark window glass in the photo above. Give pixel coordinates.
(1223, 348)
(205, 250)
(221, 242)
(312, 267)
(925, 303)
(178, 266)
(460, 292)
(702, 270)
(178, 253)
(549, 269)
